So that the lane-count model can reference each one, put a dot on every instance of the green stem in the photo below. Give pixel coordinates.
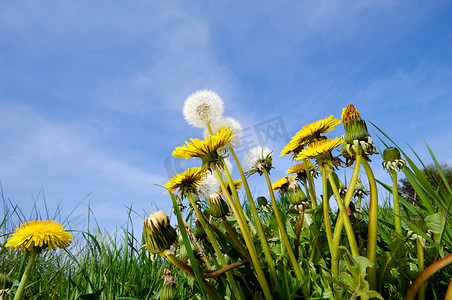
(395, 196)
(187, 269)
(358, 206)
(425, 275)
(237, 242)
(215, 246)
(23, 280)
(373, 223)
(235, 196)
(343, 213)
(311, 184)
(421, 267)
(293, 261)
(340, 221)
(260, 230)
(252, 249)
(298, 233)
(326, 212)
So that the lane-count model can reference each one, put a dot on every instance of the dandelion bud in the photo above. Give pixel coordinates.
(342, 189)
(262, 201)
(218, 207)
(392, 160)
(297, 198)
(360, 190)
(199, 232)
(356, 137)
(169, 286)
(159, 234)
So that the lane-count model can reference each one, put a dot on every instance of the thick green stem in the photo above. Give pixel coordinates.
(421, 267)
(252, 249)
(326, 220)
(340, 221)
(257, 221)
(373, 224)
(235, 196)
(293, 261)
(215, 246)
(425, 275)
(311, 184)
(23, 280)
(395, 196)
(344, 215)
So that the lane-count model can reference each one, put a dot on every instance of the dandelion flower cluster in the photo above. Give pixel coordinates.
(39, 235)
(203, 107)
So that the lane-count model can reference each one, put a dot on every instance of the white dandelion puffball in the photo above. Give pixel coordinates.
(209, 185)
(227, 122)
(255, 155)
(201, 107)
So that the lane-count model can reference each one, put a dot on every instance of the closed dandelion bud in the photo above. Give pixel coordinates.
(159, 234)
(262, 201)
(199, 232)
(420, 223)
(169, 286)
(342, 189)
(360, 190)
(218, 207)
(356, 137)
(297, 198)
(392, 160)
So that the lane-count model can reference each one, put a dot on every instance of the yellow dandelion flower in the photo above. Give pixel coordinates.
(39, 235)
(237, 185)
(186, 182)
(309, 133)
(299, 168)
(319, 150)
(281, 184)
(206, 149)
(350, 113)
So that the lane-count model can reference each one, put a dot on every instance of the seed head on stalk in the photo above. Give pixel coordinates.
(257, 159)
(203, 107)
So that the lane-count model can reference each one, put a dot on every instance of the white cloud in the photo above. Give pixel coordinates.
(69, 160)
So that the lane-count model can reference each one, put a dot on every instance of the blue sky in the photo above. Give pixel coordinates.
(91, 92)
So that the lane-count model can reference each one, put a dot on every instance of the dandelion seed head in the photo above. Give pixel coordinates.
(254, 156)
(201, 107)
(208, 186)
